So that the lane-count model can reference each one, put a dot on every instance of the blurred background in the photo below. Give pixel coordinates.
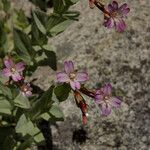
(123, 59)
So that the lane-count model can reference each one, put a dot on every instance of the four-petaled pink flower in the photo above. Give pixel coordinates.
(26, 90)
(116, 15)
(13, 70)
(105, 100)
(72, 76)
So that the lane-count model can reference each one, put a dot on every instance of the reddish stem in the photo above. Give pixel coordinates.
(102, 8)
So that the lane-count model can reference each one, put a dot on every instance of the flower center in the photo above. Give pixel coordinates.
(25, 89)
(114, 14)
(106, 99)
(13, 70)
(72, 76)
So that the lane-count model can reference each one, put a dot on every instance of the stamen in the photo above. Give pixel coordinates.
(114, 14)
(72, 76)
(13, 70)
(25, 89)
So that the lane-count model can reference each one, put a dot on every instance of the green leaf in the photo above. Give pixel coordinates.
(22, 101)
(9, 143)
(3, 38)
(74, 1)
(60, 27)
(39, 137)
(23, 46)
(61, 6)
(25, 145)
(4, 133)
(50, 59)
(72, 15)
(39, 24)
(56, 112)
(5, 91)
(25, 126)
(38, 38)
(5, 107)
(42, 16)
(61, 18)
(21, 19)
(62, 92)
(45, 116)
(42, 105)
(6, 5)
(1, 6)
(40, 3)
(2, 35)
(53, 20)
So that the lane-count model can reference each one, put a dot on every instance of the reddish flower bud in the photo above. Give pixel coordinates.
(82, 105)
(84, 119)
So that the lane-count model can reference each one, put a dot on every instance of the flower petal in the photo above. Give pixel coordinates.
(29, 87)
(115, 5)
(8, 63)
(110, 8)
(123, 6)
(115, 102)
(28, 93)
(69, 67)
(120, 25)
(81, 76)
(75, 85)
(109, 23)
(78, 86)
(105, 109)
(62, 77)
(16, 76)
(20, 66)
(125, 12)
(98, 96)
(106, 89)
(6, 72)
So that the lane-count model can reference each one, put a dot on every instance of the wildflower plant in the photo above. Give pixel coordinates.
(24, 47)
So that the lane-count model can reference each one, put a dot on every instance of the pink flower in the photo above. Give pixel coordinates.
(105, 100)
(13, 70)
(26, 90)
(116, 15)
(72, 76)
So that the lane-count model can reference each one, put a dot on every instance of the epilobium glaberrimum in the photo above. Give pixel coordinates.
(113, 14)
(72, 76)
(13, 70)
(116, 16)
(26, 90)
(105, 100)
